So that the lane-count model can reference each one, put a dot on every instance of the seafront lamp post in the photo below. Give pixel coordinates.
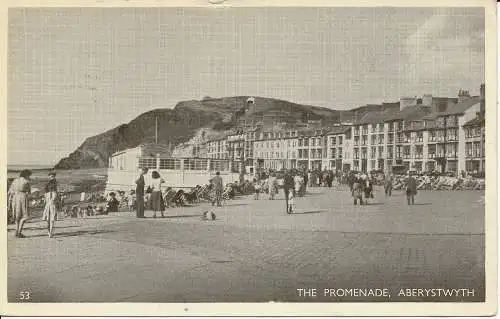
(248, 103)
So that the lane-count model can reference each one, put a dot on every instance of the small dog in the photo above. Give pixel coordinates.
(208, 216)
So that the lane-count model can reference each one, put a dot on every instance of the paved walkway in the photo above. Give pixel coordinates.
(255, 252)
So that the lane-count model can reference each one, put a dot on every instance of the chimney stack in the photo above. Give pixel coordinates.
(463, 95)
(427, 100)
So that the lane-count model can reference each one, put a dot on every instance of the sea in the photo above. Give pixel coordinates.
(17, 168)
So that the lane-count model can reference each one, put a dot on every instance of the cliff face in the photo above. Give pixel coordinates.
(180, 124)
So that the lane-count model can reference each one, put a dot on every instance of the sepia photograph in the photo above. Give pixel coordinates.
(189, 155)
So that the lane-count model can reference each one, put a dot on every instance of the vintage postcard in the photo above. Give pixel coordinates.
(249, 158)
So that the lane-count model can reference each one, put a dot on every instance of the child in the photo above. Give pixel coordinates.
(291, 204)
(112, 205)
(131, 200)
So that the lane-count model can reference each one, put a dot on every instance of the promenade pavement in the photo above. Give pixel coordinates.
(253, 251)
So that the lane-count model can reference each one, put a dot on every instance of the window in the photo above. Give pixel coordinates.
(319, 153)
(419, 151)
(339, 153)
(391, 138)
(468, 132)
(440, 122)
(452, 134)
(356, 140)
(398, 152)
(306, 142)
(390, 152)
(145, 162)
(432, 136)
(374, 127)
(374, 139)
(451, 150)
(340, 140)
(313, 142)
(468, 149)
(477, 149)
(363, 153)
(381, 139)
(440, 136)
(431, 149)
(364, 140)
(406, 152)
(333, 140)
(373, 152)
(420, 137)
(477, 132)
(380, 151)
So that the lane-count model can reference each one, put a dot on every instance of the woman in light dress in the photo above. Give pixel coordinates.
(51, 203)
(156, 198)
(298, 181)
(19, 191)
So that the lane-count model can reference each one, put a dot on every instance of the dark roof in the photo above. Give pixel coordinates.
(376, 116)
(411, 113)
(478, 121)
(461, 107)
(337, 130)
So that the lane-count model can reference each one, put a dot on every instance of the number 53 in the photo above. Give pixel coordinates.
(25, 295)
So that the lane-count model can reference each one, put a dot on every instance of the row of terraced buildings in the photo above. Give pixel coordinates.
(420, 134)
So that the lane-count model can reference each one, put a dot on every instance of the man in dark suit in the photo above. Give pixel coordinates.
(411, 189)
(288, 185)
(139, 193)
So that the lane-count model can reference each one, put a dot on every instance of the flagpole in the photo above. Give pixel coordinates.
(156, 129)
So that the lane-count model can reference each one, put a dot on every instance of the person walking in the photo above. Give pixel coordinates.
(51, 203)
(298, 181)
(156, 198)
(357, 190)
(307, 179)
(218, 186)
(388, 185)
(272, 186)
(289, 188)
(411, 189)
(257, 187)
(329, 179)
(19, 190)
(139, 193)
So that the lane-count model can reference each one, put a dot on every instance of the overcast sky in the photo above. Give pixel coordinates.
(74, 73)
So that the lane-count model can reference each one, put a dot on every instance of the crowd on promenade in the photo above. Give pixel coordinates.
(156, 196)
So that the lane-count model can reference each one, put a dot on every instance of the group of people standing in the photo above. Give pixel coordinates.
(18, 201)
(361, 185)
(155, 199)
